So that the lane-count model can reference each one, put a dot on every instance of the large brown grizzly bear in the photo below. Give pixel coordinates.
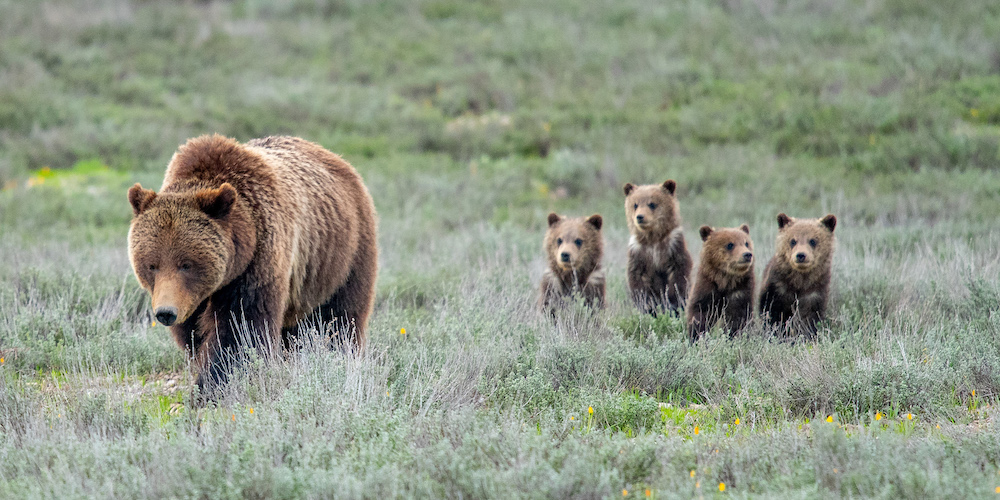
(254, 238)
(724, 285)
(659, 264)
(797, 279)
(574, 248)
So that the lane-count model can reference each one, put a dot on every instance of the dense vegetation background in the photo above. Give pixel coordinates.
(470, 121)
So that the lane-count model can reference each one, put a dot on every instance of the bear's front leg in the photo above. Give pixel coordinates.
(640, 283)
(809, 311)
(594, 291)
(701, 315)
(241, 315)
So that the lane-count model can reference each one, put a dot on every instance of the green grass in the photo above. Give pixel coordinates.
(470, 121)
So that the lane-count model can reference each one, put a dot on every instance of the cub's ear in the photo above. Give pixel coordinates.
(830, 221)
(596, 221)
(783, 220)
(628, 187)
(670, 186)
(745, 228)
(217, 202)
(554, 218)
(705, 231)
(140, 198)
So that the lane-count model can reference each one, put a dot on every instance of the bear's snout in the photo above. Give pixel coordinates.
(800, 257)
(747, 257)
(640, 218)
(166, 315)
(564, 256)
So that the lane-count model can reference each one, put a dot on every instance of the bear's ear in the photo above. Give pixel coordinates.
(140, 198)
(217, 202)
(596, 221)
(783, 220)
(705, 232)
(553, 219)
(745, 228)
(670, 186)
(830, 221)
(628, 187)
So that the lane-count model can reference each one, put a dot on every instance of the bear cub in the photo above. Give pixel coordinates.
(724, 284)
(659, 264)
(574, 247)
(797, 279)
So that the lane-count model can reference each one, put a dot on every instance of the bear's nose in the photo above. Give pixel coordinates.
(640, 218)
(747, 256)
(800, 257)
(564, 256)
(166, 315)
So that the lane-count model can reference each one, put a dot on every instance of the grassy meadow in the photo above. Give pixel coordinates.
(470, 121)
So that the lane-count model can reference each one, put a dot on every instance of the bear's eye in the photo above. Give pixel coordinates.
(793, 242)
(652, 206)
(578, 242)
(812, 243)
(730, 246)
(558, 241)
(635, 206)
(747, 244)
(185, 266)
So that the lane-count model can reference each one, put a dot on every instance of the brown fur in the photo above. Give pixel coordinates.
(580, 273)
(797, 279)
(723, 287)
(268, 232)
(659, 264)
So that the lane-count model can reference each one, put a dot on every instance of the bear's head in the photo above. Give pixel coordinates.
(805, 243)
(185, 246)
(728, 250)
(652, 210)
(574, 244)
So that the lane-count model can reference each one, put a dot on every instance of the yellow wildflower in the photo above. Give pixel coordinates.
(722, 486)
(649, 493)
(590, 410)
(692, 472)
(909, 416)
(829, 418)
(624, 492)
(402, 331)
(737, 421)
(878, 415)
(696, 430)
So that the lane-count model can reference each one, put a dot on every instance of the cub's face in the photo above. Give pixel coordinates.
(651, 208)
(805, 243)
(573, 243)
(729, 250)
(178, 249)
